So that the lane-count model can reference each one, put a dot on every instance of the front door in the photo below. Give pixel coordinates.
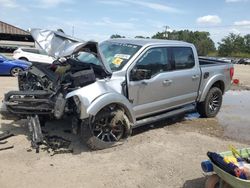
(147, 90)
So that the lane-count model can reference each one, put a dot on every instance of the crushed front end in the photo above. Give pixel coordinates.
(43, 88)
(42, 91)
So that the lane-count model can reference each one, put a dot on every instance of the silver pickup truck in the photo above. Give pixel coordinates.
(109, 88)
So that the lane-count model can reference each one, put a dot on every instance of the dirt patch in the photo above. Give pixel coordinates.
(7, 83)
(241, 72)
(204, 126)
(167, 154)
(239, 87)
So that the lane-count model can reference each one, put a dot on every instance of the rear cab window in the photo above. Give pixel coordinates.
(183, 58)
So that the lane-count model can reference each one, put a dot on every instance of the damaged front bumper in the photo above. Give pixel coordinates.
(25, 103)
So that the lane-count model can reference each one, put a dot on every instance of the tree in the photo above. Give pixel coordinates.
(116, 36)
(141, 37)
(247, 43)
(234, 44)
(201, 40)
(159, 35)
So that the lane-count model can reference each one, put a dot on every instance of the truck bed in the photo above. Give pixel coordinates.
(211, 68)
(206, 62)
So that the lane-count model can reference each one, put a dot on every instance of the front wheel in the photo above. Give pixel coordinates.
(109, 128)
(16, 71)
(212, 104)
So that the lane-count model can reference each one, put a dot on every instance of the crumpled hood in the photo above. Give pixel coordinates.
(57, 44)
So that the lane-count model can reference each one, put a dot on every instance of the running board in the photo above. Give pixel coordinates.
(169, 114)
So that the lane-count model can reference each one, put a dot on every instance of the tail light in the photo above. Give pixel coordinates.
(231, 72)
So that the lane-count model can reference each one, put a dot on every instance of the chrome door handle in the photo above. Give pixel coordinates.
(194, 77)
(167, 82)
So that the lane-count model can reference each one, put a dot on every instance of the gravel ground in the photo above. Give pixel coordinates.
(242, 72)
(164, 155)
(167, 155)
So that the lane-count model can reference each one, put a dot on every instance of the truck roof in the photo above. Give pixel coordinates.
(143, 42)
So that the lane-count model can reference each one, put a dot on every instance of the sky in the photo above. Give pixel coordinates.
(99, 19)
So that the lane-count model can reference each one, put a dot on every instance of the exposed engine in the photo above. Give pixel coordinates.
(71, 74)
(43, 88)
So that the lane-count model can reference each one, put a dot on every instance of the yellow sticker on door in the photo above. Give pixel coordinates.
(117, 61)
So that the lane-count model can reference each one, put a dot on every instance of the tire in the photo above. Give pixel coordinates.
(109, 128)
(213, 181)
(23, 58)
(212, 104)
(15, 71)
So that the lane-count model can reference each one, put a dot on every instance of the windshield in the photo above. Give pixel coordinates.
(118, 54)
(115, 54)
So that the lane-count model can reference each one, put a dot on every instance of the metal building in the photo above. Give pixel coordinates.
(12, 37)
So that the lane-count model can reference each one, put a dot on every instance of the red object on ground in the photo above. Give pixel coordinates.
(236, 81)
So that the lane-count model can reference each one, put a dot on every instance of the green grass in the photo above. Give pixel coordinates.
(213, 54)
(237, 55)
(241, 55)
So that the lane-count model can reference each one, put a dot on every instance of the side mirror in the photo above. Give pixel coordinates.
(140, 74)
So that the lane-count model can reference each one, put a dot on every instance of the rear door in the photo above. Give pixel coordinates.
(185, 76)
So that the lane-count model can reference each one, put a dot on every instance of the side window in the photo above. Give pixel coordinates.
(183, 58)
(153, 62)
(87, 58)
(35, 51)
(42, 52)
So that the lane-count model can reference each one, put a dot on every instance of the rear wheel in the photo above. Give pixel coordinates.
(23, 58)
(212, 104)
(109, 128)
(15, 71)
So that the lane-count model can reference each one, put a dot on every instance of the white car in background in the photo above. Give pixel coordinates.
(33, 55)
(228, 60)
